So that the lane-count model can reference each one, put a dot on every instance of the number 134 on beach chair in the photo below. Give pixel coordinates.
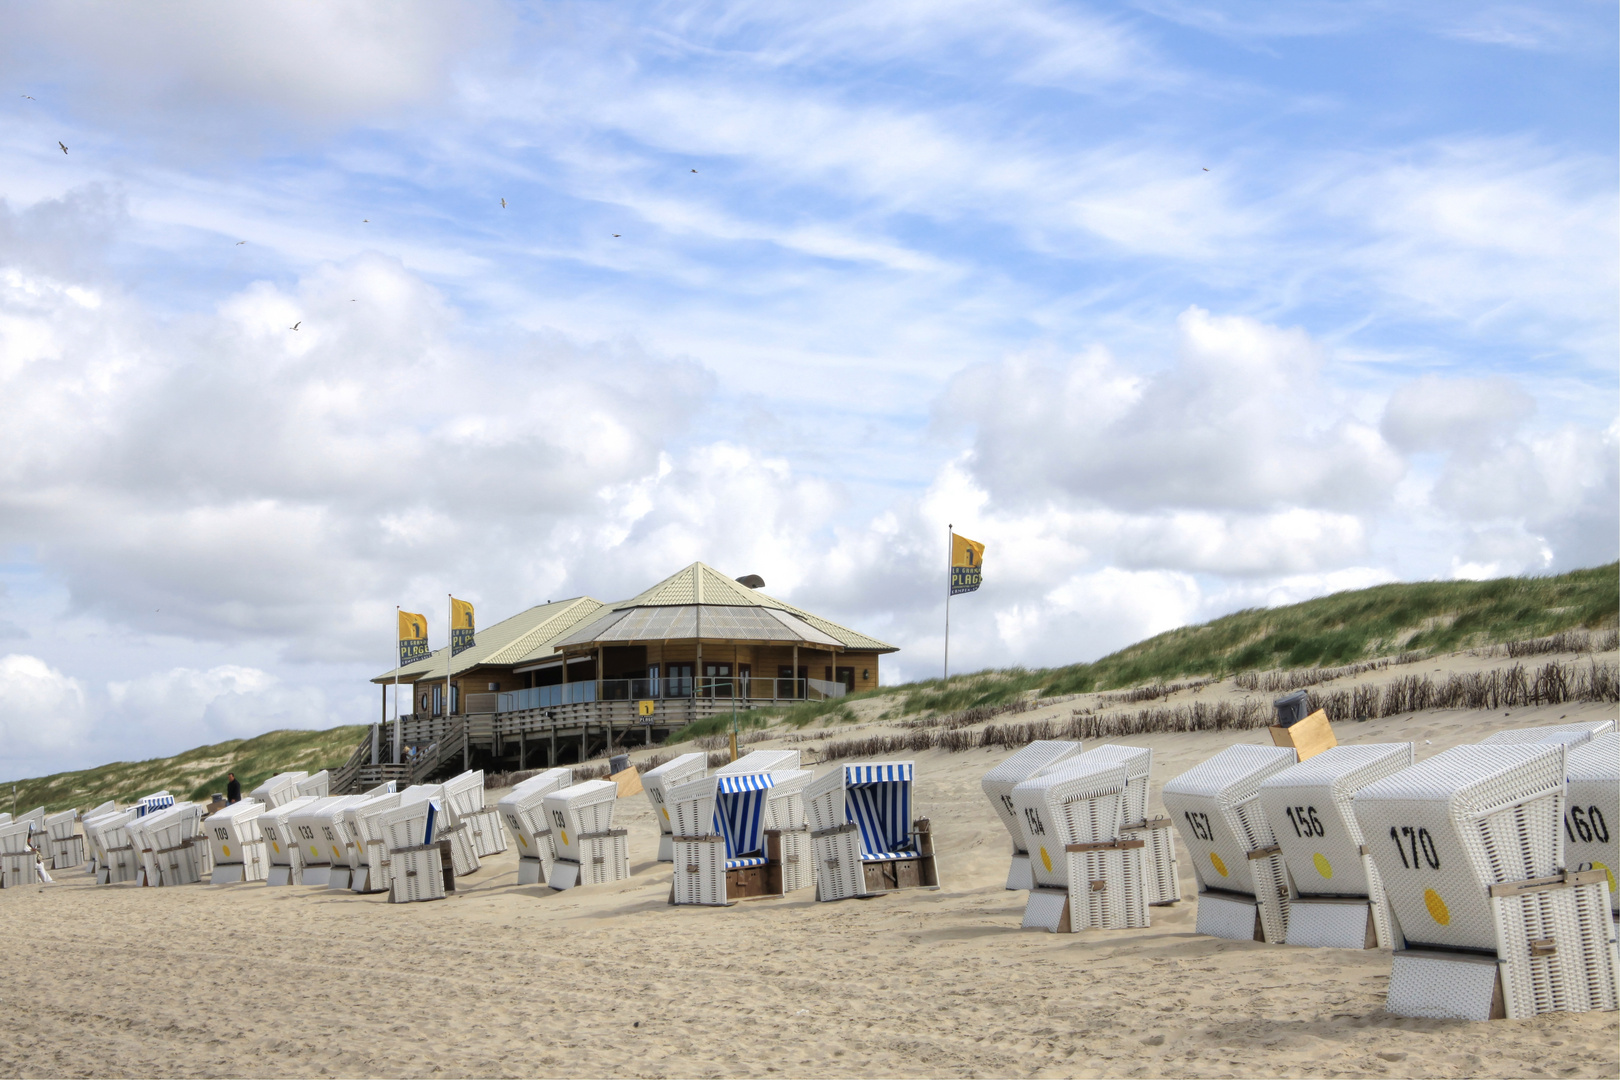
(863, 840)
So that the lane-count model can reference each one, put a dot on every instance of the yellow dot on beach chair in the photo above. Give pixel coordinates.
(1046, 860)
(1437, 907)
(1220, 867)
(1323, 867)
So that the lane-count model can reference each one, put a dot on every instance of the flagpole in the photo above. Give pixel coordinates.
(950, 542)
(397, 665)
(449, 655)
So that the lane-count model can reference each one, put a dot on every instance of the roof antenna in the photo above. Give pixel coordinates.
(753, 581)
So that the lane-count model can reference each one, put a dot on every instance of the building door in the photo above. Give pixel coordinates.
(438, 699)
(716, 680)
(846, 675)
(745, 674)
(678, 680)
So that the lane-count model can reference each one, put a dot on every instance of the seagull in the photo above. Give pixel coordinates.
(63, 145)
(615, 234)
(365, 221)
(1206, 169)
(503, 204)
(30, 97)
(694, 170)
(296, 325)
(239, 243)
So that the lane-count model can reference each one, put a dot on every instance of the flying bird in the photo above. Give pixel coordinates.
(30, 97)
(503, 204)
(63, 145)
(239, 243)
(615, 234)
(694, 170)
(365, 221)
(1206, 169)
(296, 325)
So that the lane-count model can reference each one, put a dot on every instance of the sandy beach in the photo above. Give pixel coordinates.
(503, 980)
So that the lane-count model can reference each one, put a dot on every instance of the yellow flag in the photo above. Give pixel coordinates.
(967, 561)
(461, 626)
(412, 638)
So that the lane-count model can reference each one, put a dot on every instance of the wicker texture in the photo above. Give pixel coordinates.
(760, 761)
(656, 782)
(578, 810)
(279, 790)
(837, 857)
(700, 870)
(1216, 808)
(1569, 734)
(999, 782)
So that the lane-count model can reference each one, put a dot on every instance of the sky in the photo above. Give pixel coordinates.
(1180, 308)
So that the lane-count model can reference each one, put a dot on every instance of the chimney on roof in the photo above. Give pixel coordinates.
(753, 581)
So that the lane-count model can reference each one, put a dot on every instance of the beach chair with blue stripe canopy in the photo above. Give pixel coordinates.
(149, 804)
(725, 849)
(863, 839)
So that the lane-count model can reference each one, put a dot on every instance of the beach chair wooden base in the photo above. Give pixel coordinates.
(18, 868)
(68, 853)
(1445, 986)
(1332, 924)
(531, 872)
(1229, 915)
(424, 872)
(606, 859)
(1019, 876)
(1047, 909)
(842, 872)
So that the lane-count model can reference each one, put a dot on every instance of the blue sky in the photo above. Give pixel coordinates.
(1179, 307)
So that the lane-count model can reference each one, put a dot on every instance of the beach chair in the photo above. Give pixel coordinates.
(655, 781)
(761, 761)
(179, 851)
(283, 856)
(1470, 846)
(590, 851)
(787, 817)
(35, 819)
(319, 785)
(64, 847)
(724, 850)
(1087, 873)
(1568, 734)
(1340, 902)
(236, 843)
(1592, 813)
(95, 843)
(419, 865)
(1243, 885)
(18, 860)
(466, 821)
(151, 804)
(121, 857)
(863, 841)
(322, 841)
(369, 860)
(332, 820)
(92, 842)
(998, 784)
(525, 815)
(279, 789)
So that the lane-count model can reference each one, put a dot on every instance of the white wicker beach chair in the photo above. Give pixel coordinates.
(64, 847)
(525, 815)
(236, 843)
(656, 781)
(590, 851)
(788, 818)
(319, 785)
(1243, 886)
(419, 866)
(279, 789)
(311, 828)
(336, 829)
(1341, 901)
(863, 840)
(998, 784)
(178, 851)
(1592, 815)
(35, 819)
(1088, 872)
(92, 848)
(121, 857)
(1470, 846)
(725, 849)
(478, 825)
(761, 761)
(18, 860)
(1568, 734)
(282, 852)
(369, 860)
(96, 843)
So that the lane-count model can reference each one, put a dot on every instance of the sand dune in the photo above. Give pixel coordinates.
(502, 980)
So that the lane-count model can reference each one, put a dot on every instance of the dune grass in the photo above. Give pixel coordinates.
(192, 775)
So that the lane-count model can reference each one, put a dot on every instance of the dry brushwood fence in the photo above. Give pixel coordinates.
(1513, 687)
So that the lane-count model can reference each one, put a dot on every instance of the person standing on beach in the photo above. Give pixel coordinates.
(233, 788)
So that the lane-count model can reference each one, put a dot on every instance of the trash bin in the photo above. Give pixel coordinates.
(1291, 708)
(620, 762)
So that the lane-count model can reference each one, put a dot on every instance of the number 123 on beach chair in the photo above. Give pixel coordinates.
(862, 838)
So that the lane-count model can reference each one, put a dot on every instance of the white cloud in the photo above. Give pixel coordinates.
(43, 714)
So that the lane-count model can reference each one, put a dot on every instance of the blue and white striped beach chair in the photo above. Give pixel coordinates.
(149, 804)
(724, 849)
(863, 839)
